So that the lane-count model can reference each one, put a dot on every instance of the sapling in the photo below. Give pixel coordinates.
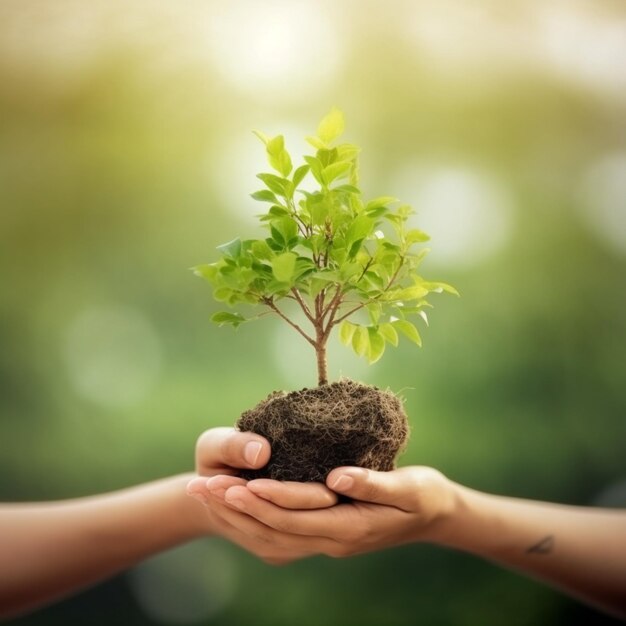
(343, 262)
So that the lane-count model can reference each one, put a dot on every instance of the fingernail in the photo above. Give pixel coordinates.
(251, 452)
(343, 483)
(237, 504)
(200, 497)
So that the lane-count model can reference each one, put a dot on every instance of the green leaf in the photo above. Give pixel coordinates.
(261, 250)
(408, 330)
(231, 249)
(347, 189)
(265, 195)
(277, 211)
(336, 170)
(262, 136)
(354, 248)
(374, 279)
(318, 209)
(416, 236)
(286, 227)
(349, 270)
(438, 287)
(316, 168)
(283, 266)
(409, 293)
(299, 174)
(275, 145)
(304, 266)
(207, 271)
(346, 330)
(389, 333)
(405, 210)
(223, 294)
(347, 152)
(381, 201)
(317, 143)
(377, 212)
(278, 157)
(315, 286)
(327, 156)
(330, 276)
(224, 317)
(276, 241)
(331, 126)
(376, 345)
(360, 228)
(360, 340)
(374, 310)
(275, 183)
(282, 163)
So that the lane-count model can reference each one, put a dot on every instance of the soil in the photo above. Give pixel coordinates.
(315, 430)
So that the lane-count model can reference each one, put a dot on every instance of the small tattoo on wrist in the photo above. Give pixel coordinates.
(544, 546)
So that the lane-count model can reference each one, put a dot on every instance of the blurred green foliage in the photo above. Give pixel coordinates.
(112, 167)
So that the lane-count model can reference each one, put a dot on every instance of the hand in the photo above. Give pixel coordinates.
(220, 452)
(388, 509)
(225, 450)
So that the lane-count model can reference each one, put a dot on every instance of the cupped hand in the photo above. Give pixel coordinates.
(220, 453)
(387, 509)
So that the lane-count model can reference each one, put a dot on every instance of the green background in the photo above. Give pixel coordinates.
(126, 157)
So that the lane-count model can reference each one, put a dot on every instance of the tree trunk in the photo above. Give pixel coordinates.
(322, 373)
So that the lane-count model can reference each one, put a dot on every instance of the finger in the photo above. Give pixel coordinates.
(388, 488)
(329, 522)
(227, 448)
(196, 488)
(271, 554)
(217, 485)
(261, 538)
(293, 495)
(201, 488)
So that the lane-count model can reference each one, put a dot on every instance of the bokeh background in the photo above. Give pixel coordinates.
(126, 156)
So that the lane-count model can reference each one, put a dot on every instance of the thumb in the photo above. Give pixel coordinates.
(367, 485)
(227, 448)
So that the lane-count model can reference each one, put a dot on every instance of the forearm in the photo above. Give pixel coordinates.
(48, 550)
(580, 550)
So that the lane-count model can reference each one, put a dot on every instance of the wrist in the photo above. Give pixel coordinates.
(471, 521)
(194, 515)
(447, 525)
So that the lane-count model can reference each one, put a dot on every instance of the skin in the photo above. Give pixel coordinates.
(51, 549)
(580, 550)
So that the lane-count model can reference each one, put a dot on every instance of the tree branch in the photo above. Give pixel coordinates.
(362, 304)
(303, 305)
(319, 303)
(351, 311)
(334, 301)
(302, 227)
(365, 268)
(270, 303)
(333, 307)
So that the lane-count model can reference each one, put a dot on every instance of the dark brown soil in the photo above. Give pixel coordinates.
(313, 431)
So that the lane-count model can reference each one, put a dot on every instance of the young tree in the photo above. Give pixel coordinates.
(329, 251)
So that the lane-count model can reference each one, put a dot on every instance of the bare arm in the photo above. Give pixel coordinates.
(49, 550)
(577, 549)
